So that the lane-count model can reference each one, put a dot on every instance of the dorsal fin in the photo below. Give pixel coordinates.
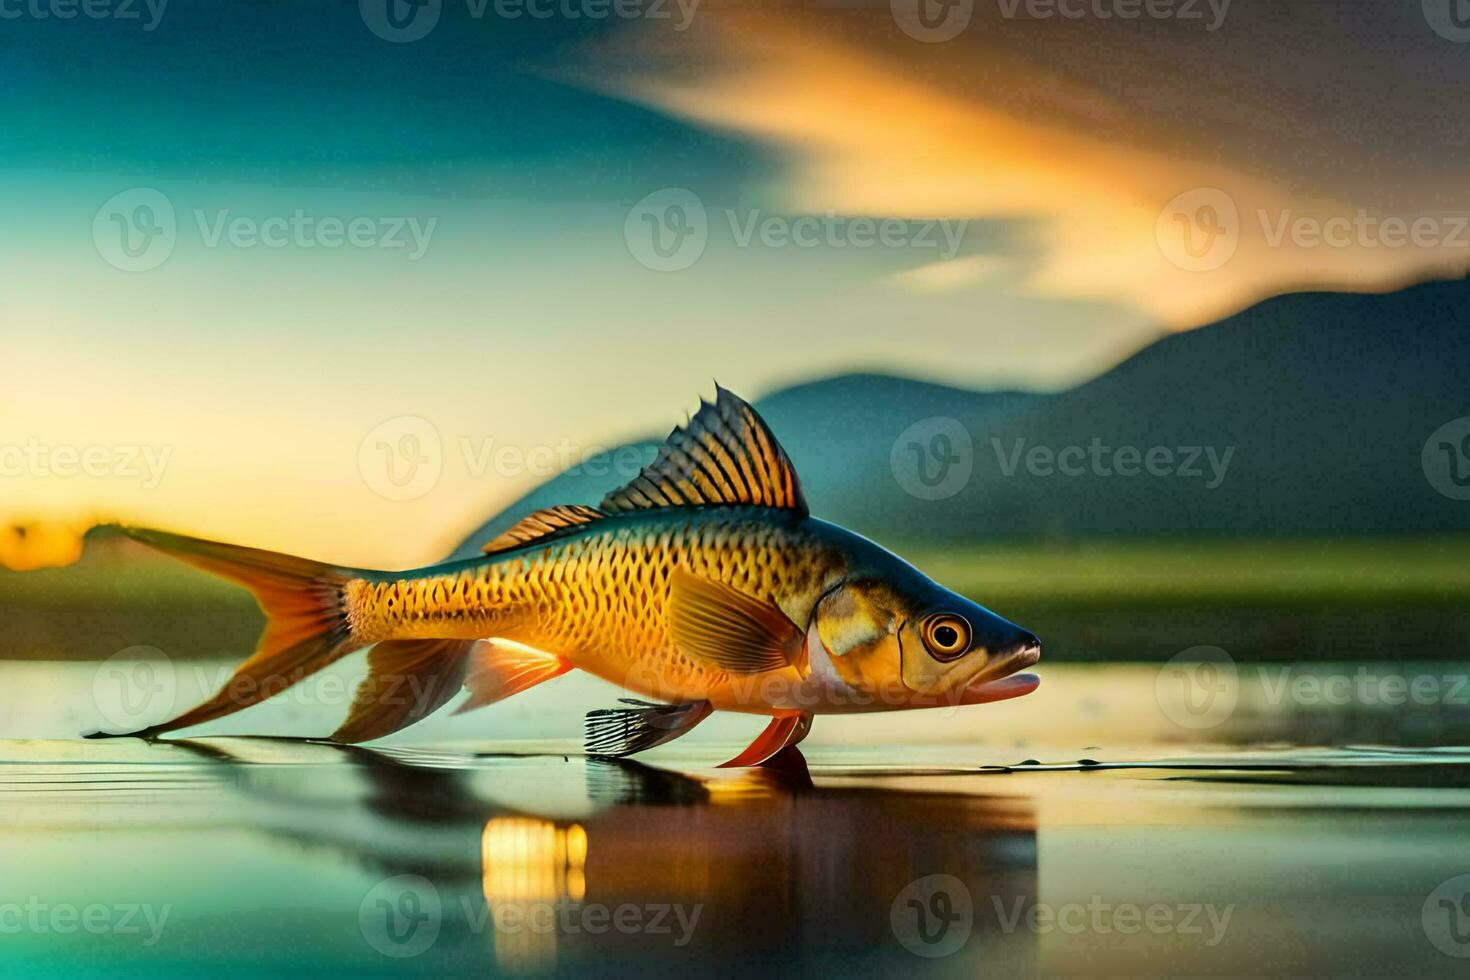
(725, 455)
(543, 522)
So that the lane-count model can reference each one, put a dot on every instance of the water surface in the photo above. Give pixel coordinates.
(1084, 834)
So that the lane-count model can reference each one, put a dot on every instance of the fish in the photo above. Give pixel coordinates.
(703, 585)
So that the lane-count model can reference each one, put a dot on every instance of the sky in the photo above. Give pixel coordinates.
(317, 278)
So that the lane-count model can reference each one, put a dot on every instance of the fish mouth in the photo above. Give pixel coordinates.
(999, 681)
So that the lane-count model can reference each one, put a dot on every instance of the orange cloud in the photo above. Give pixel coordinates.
(883, 129)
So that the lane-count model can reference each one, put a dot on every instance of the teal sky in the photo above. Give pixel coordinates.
(527, 312)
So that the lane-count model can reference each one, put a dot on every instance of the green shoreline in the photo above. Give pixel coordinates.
(1362, 598)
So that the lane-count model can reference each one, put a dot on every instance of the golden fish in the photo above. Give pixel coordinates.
(703, 584)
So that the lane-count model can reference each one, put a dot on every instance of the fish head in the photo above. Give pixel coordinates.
(959, 650)
(921, 644)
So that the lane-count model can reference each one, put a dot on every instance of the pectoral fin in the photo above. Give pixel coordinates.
(624, 731)
(723, 626)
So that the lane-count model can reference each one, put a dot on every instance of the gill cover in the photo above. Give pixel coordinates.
(857, 626)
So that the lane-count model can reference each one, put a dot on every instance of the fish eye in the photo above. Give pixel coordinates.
(946, 635)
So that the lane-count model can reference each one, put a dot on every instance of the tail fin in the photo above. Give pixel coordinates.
(306, 619)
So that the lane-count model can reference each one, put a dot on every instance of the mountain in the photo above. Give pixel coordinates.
(1324, 401)
(1306, 414)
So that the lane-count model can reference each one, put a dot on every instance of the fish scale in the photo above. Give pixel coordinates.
(600, 596)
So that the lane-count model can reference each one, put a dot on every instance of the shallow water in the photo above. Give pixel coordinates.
(1223, 850)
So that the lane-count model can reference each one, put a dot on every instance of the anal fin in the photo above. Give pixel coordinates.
(623, 731)
(407, 681)
(500, 668)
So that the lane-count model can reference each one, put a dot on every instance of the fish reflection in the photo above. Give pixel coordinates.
(554, 863)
